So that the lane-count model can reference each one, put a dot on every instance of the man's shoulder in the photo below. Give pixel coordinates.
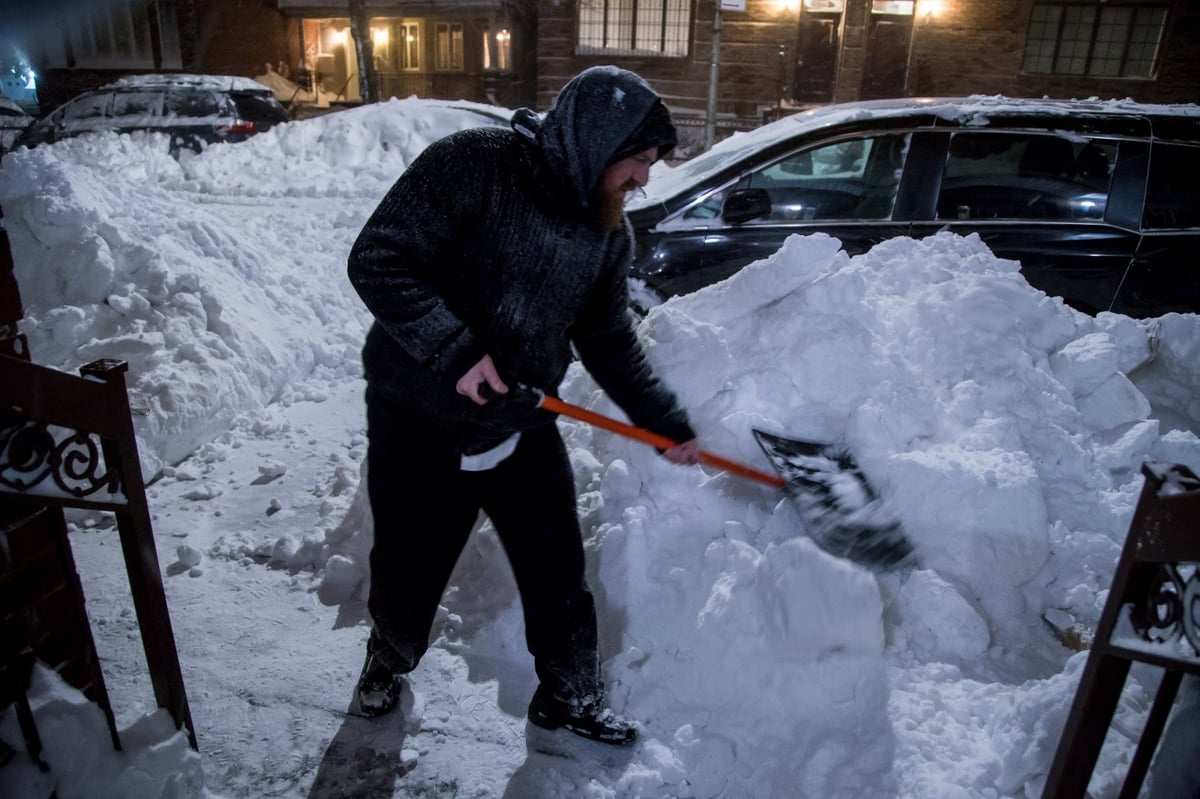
(481, 139)
(487, 149)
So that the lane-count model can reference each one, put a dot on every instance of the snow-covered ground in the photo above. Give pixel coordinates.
(1004, 430)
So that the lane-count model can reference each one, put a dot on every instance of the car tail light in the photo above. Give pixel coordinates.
(238, 125)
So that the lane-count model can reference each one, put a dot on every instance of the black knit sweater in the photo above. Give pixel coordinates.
(486, 245)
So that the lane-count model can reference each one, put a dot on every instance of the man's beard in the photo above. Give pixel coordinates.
(610, 206)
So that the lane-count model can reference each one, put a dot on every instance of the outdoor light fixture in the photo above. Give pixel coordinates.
(379, 36)
(928, 9)
(337, 37)
(503, 35)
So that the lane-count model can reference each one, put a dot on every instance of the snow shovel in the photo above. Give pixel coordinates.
(844, 514)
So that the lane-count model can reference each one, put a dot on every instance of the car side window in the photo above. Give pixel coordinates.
(1172, 198)
(136, 104)
(1025, 176)
(849, 179)
(192, 103)
(88, 107)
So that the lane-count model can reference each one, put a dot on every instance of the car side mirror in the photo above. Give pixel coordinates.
(743, 205)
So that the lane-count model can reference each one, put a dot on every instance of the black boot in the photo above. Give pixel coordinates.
(379, 685)
(589, 720)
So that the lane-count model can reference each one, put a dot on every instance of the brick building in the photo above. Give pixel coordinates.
(780, 55)
(481, 50)
(775, 56)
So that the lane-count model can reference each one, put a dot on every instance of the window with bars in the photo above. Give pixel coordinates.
(449, 49)
(634, 27)
(1110, 41)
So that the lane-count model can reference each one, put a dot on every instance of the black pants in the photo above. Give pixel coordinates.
(425, 508)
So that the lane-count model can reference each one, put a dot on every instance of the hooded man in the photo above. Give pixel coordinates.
(494, 256)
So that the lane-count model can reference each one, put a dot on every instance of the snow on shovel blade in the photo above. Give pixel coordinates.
(844, 515)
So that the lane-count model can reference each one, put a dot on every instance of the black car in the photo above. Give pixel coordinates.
(195, 110)
(13, 121)
(1098, 201)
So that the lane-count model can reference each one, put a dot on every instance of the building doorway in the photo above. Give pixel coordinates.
(889, 36)
(817, 43)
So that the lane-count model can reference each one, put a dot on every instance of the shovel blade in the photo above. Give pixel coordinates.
(844, 515)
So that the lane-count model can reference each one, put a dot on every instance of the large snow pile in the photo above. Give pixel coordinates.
(219, 278)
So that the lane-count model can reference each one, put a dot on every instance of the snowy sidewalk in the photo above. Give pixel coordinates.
(269, 670)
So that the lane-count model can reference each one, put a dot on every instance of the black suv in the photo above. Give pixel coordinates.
(1097, 200)
(195, 110)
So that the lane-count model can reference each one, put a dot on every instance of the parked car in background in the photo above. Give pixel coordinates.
(195, 110)
(1098, 201)
(13, 121)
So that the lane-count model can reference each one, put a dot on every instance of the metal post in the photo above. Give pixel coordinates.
(710, 120)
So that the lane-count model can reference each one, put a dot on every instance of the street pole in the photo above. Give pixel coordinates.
(710, 120)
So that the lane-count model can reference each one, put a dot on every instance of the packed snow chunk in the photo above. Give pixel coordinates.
(203, 492)
(311, 554)
(692, 347)
(1170, 380)
(795, 266)
(270, 470)
(1125, 448)
(814, 604)
(188, 556)
(283, 550)
(940, 624)
(708, 760)
(1178, 446)
(1116, 401)
(341, 581)
(157, 761)
(1083, 364)
(1026, 733)
(974, 515)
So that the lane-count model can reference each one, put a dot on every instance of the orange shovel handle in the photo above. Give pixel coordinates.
(555, 405)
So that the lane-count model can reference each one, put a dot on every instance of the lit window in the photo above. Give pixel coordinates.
(497, 50)
(409, 46)
(634, 27)
(449, 46)
(1117, 41)
(396, 44)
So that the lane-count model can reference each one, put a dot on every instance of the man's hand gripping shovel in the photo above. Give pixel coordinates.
(844, 514)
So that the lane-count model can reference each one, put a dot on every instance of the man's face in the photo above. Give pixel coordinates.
(630, 173)
(625, 175)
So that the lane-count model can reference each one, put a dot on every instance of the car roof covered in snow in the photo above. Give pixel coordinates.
(975, 110)
(159, 81)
